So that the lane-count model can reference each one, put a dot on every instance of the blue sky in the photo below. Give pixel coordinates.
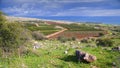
(84, 10)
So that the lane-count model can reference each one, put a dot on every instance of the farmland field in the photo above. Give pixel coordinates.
(80, 27)
(43, 28)
(79, 34)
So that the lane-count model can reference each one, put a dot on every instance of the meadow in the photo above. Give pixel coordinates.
(51, 54)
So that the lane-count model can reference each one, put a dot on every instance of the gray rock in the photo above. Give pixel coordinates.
(66, 52)
(82, 56)
(36, 45)
(89, 58)
(116, 48)
(114, 64)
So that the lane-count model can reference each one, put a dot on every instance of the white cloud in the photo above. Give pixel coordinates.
(45, 7)
(18, 10)
(51, 1)
(89, 11)
(104, 12)
(25, 10)
(81, 0)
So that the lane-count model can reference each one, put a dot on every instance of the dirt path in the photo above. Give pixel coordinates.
(51, 35)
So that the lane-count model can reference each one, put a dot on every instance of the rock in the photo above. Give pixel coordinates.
(65, 52)
(73, 46)
(116, 48)
(77, 47)
(114, 64)
(79, 42)
(82, 56)
(78, 55)
(89, 58)
(24, 66)
(36, 45)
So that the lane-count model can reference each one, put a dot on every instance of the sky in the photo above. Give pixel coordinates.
(106, 11)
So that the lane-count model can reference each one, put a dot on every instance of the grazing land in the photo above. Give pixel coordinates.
(51, 55)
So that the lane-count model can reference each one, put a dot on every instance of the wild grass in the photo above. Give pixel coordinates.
(51, 55)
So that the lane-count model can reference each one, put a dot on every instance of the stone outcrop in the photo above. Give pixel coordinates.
(82, 56)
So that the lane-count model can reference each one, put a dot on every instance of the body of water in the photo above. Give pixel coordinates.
(97, 19)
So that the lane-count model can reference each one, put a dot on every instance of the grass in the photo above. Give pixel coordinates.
(47, 32)
(76, 27)
(51, 55)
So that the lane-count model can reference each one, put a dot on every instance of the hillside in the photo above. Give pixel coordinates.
(51, 44)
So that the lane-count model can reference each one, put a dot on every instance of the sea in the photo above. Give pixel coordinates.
(114, 20)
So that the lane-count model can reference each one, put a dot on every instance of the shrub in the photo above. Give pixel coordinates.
(12, 35)
(37, 35)
(2, 18)
(73, 38)
(84, 41)
(101, 34)
(104, 42)
(62, 39)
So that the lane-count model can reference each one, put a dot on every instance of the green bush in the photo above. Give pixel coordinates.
(2, 18)
(101, 34)
(12, 35)
(104, 42)
(73, 38)
(37, 35)
(84, 41)
(62, 39)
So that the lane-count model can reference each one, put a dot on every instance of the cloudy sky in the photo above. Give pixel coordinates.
(84, 8)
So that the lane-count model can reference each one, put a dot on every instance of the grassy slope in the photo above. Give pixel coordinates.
(51, 55)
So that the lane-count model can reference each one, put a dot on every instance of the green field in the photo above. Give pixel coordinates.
(43, 28)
